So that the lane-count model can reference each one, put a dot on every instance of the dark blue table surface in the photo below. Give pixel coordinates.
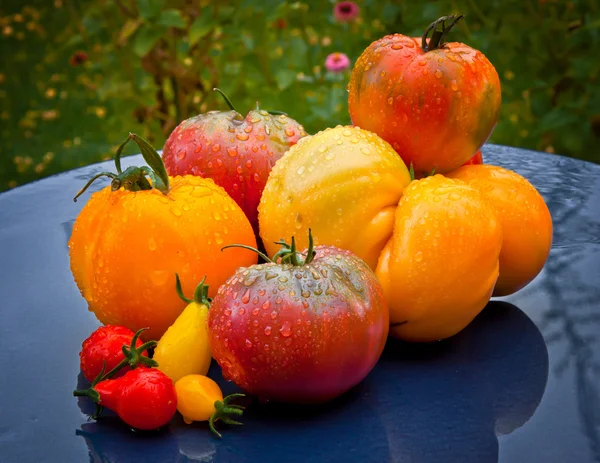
(520, 384)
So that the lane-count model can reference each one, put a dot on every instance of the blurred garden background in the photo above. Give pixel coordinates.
(77, 75)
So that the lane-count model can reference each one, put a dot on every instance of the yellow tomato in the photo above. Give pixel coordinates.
(439, 269)
(184, 349)
(199, 398)
(525, 219)
(344, 183)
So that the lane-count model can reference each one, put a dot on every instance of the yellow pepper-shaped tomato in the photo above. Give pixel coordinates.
(199, 398)
(525, 218)
(344, 183)
(184, 349)
(132, 236)
(439, 269)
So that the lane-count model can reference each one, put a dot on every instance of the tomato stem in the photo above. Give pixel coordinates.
(200, 294)
(250, 248)
(222, 411)
(134, 178)
(437, 37)
(227, 100)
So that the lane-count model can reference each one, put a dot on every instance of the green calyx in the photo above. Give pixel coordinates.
(437, 36)
(135, 178)
(288, 254)
(133, 358)
(223, 409)
(200, 294)
(411, 171)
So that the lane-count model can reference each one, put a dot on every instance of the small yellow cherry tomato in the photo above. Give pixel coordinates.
(184, 349)
(199, 398)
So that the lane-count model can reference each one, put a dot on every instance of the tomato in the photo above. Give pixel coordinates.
(439, 269)
(104, 349)
(144, 398)
(184, 348)
(476, 159)
(525, 219)
(344, 183)
(131, 237)
(199, 398)
(436, 103)
(305, 329)
(236, 152)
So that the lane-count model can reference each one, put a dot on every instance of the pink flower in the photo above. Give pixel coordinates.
(345, 11)
(337, 62)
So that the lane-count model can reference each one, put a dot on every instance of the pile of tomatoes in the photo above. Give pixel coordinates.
(391, 226)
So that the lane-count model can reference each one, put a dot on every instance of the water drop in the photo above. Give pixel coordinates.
(273, 315)
(290, 132)
(246, 297)
(286, 329)
(242, 136)
(390, 100)
(218, 238)
(216, 147)
(151, 246)
(248, 343)
(242, 311)
(181, 154)
(255, 311)
(300, 170)
(176, 211)
(330, 156)
(267, 330)
(454, 85)
(216, 215)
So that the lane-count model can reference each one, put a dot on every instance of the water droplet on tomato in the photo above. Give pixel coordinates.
(330, 156)
(159, 277)
(290, 132)
(218, 238)
(267, 330)
(198, 148)
(300, 170)
(273, 315)
(175, 211)
(151, 246)
(439, 74)
(181, 154)
(286, 329)
(454, 85)
(246, 297)
(248, 343)
(216, 147)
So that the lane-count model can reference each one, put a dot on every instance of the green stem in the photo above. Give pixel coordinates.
(200, 294)
(222, 411)
(227, 100)
(250, 248)
(437, 36)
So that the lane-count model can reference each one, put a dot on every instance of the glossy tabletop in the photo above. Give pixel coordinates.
(520, 384)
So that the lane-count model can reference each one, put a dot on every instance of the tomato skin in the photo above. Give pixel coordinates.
(127, 246)
(196, 397)
(237, 153)
(144, 398)
(475, 160)
(439, 269)
(184, 348)
(435, 108)
(303, 334)
(344, 183)
(525, 219)
(104, 345)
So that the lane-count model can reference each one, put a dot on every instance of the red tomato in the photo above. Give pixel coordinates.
(300, 331)
(144, 398)
(105, 346)
(236, 152)
(436, 103)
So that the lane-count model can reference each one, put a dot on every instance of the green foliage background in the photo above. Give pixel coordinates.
(152, 63)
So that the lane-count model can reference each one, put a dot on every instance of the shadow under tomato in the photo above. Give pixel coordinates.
(448, 401)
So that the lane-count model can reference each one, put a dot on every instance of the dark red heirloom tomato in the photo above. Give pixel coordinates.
(305, 329)
(236, 152)
(436, 103)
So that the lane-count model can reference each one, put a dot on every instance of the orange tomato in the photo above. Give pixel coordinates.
(525, 219)
(126, 247)
(440, 266)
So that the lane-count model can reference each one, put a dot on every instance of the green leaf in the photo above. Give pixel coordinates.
(128, 29)
(284, 78)
(201, 26)
(146, 38)
(172, 18)
(150, 8)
